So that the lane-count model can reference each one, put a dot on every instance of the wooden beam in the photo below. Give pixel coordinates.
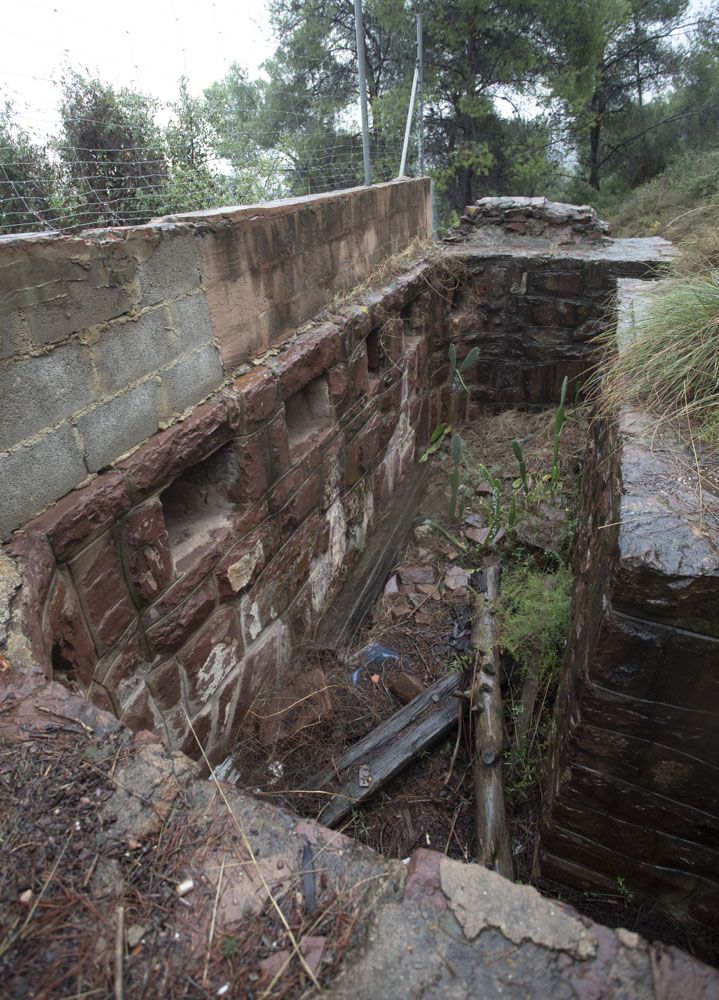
(493, 847)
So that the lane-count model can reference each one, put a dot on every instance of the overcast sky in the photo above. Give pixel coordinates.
(145, 43)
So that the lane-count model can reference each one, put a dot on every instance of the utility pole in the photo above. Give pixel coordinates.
(359, 32)
(420, 98)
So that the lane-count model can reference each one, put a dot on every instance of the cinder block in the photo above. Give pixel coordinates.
(172, 267)
(129, 351)
(192, 321)
(118, 425)
(36, 475)
(56, 289)
(192, 378)
(41, 392)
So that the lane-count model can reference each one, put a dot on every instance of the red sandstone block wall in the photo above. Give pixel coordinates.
(173, 587)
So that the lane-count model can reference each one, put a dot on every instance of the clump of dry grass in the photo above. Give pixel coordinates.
(670, 365)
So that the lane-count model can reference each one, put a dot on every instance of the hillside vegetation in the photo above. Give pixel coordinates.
(677, 204)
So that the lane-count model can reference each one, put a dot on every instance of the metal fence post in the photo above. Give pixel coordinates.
(359, 32)
(420, 98)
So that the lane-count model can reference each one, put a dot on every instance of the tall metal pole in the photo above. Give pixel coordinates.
(359, 32)
(408, 128)
(420, 98)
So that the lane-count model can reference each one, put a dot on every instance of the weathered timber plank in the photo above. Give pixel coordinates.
(389, 728)
(493, 848)
(389, 761)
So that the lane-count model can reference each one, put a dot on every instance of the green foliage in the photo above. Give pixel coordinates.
(436, 440)
(533, 614)
(230, 947)
(28, 178)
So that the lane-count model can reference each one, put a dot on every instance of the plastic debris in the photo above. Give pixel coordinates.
(184, 887)
(365, 778)
(373, 657)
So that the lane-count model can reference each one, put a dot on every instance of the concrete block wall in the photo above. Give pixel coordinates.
(107, 337)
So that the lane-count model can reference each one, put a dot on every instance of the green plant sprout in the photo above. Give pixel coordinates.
(435, 442)
(519, 455)
(560, 418)
(456, 451)
(456, 382)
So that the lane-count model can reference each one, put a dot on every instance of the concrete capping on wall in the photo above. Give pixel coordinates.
(107, 337)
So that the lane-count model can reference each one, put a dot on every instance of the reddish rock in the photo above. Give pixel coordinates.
(82, 515)
(278, 447)
(177, 727)
(245, 561)
(305, 500)
(359, 373)
(333, 471)
(417, 574)
(37, 564)
(169, 452)
(301, 614)
(165, 686)
(283, 578)
(310, 356)
(139, 714)
(100, 698)
(423, 879)
(226, 702)
(176, 628)
(198, 735)
(99, 580)
(146, 546)
(252, 475)
(212, 655)
(368, 443)
(145, 523)
(338, 383)
(67, 639)
(279, 496)
(258, 390)
(121, 674)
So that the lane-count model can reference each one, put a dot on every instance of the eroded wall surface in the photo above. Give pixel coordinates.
(109, 336)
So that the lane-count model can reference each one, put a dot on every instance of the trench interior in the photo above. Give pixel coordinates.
(532, 321)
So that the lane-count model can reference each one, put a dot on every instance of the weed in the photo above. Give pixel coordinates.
(230, 947)
(533, 611)
(624, 891)
(671, 363)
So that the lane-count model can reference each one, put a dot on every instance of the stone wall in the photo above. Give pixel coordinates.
(177, 582)
(175, 585)
(109, 336)
(632, 790)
